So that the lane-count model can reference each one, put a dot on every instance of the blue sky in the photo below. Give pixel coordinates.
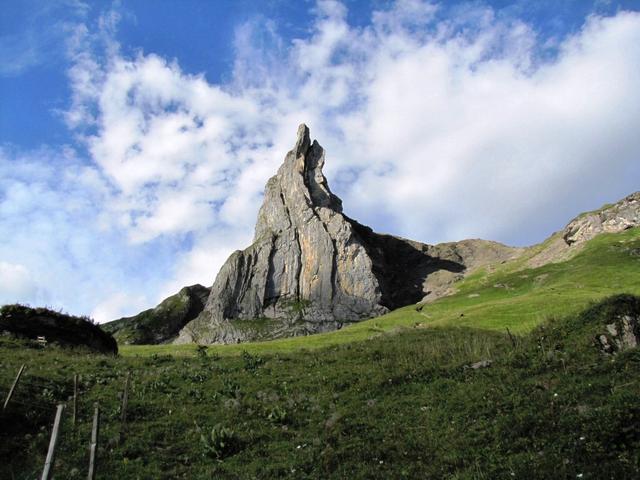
(136, 137)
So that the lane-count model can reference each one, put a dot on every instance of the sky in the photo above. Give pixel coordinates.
(136, 137)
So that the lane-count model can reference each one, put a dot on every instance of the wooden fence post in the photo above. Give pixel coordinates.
(52, 444)
(75, 398)
(94, 443)
(125, 401)
(13, 387)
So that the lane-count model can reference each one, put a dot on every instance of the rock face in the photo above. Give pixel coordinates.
(619, 320)
(311, 268)
(621, 216)
(55, 327)
(162, 323)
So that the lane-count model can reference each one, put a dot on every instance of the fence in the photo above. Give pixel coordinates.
(21, 395)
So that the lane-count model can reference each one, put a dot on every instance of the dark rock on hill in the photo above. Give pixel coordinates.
(162, 323)
(55, 327)
(312, 269)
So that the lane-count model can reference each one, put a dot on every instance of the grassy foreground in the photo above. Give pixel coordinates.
(402, 405)
(508, 297)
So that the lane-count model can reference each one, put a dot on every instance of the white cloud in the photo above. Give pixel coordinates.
(16, 283)
(117, 306)
(437, 128)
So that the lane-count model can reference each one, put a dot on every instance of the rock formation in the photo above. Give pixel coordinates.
(614, 218)
(563, 245)
(311, 268)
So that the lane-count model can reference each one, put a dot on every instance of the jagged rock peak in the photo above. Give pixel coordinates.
(299, 187)
(306, 264)
(311, 268)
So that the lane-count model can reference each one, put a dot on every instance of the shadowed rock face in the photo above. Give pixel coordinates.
(310, 268)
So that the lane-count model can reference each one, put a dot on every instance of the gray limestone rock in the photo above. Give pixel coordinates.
(614, 218)
(622, 334)
(311, 268)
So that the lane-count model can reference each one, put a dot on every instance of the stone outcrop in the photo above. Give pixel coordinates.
(614, 218)
(622, 334)
(569, 241)
(162, 323)
(618, 322)
(311, 268)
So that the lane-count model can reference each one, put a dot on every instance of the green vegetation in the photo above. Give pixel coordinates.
(510, 296)
(51, 326)
(162, 323)
(402, 405)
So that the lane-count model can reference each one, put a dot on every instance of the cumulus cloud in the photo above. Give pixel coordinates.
(438, 125)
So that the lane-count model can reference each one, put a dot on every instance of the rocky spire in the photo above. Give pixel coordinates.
(310, 268)
(306, 265)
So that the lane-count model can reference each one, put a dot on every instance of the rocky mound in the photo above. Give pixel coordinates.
(614, 218)
(311, 268)
(56, 328)
(162, 323)
(563, 245)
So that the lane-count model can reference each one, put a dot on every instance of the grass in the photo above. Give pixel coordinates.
(397, 405)
(511, 296)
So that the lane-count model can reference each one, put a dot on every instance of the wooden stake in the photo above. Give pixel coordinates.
(75, 398)
(94, 443)
(13, 387)
(52, 444)
(511, 337)
(125, 400)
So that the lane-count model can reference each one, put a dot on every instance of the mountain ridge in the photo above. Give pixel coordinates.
(312, 269)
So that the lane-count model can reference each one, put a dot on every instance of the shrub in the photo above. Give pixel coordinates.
(251, 362)
(219, 442)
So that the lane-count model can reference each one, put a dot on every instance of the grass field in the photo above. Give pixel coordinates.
(391, 397)
(510, 297)
(406, 405)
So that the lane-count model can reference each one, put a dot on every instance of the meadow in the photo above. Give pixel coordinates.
(504, 379)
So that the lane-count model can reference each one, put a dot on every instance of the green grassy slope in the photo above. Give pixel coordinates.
(550, 405)
(510, 296)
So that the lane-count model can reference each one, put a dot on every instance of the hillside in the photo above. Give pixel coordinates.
(162, 323)
(507, 295)
(312, 269)
(446, 402)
